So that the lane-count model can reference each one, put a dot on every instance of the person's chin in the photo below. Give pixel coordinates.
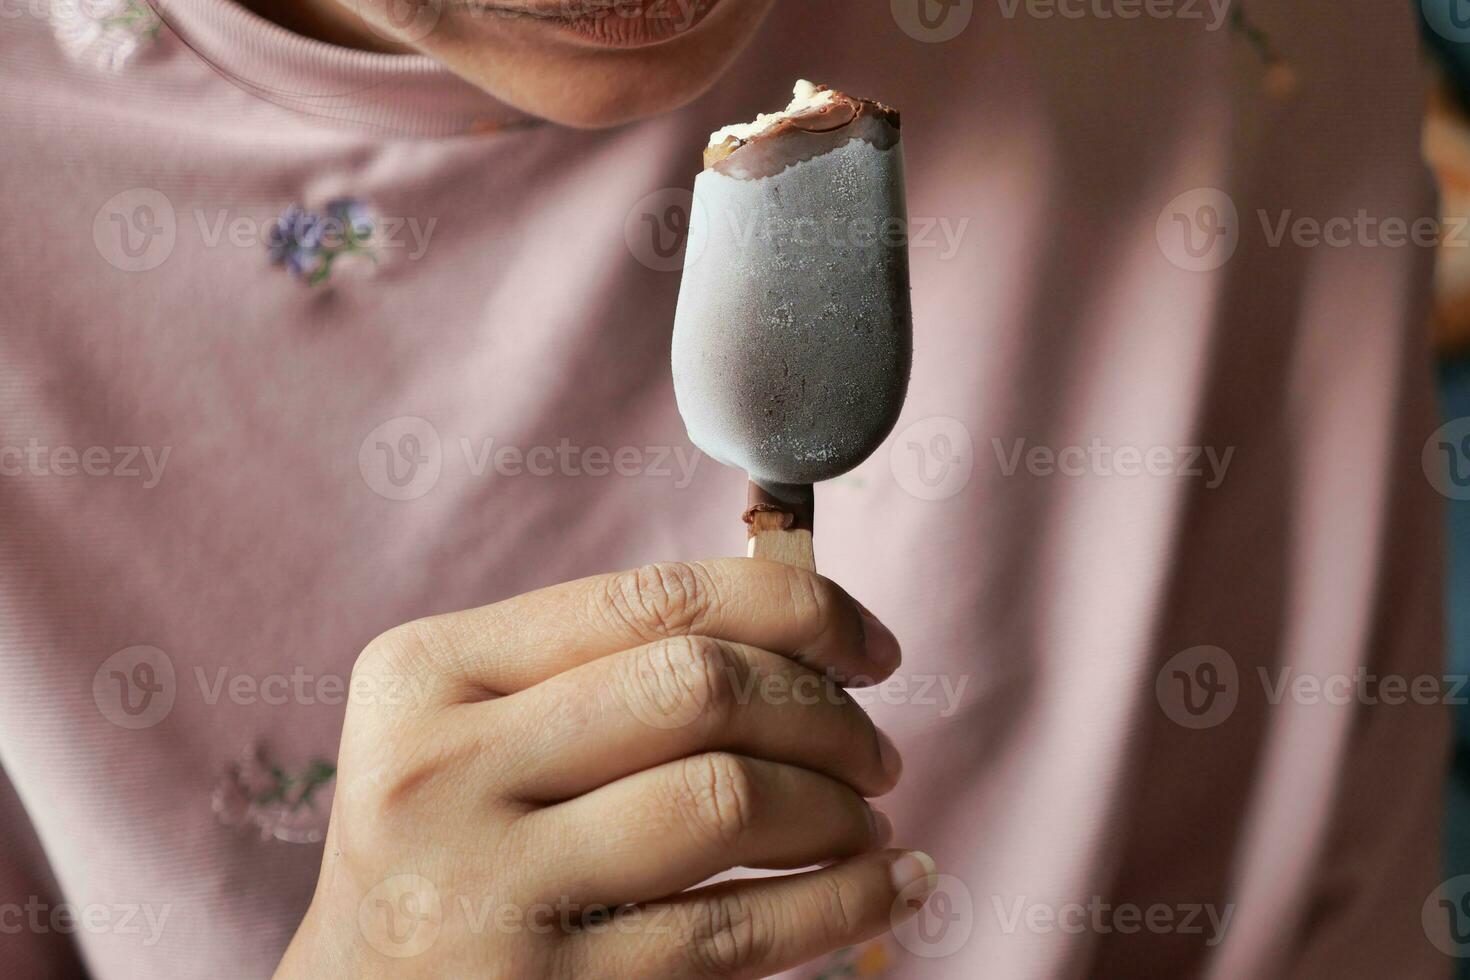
(592, 73)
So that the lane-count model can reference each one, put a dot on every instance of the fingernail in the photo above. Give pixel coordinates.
(882, 827)
(888, 755)
(910, 869)
(882, 645)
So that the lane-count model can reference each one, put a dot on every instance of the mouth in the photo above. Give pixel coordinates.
(611, 23)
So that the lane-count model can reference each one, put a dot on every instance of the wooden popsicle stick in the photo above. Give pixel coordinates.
(780, 525)
(786, 546)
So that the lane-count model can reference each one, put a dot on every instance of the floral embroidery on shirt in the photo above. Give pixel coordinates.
(1280, 79)
(280, 805)
(307, 244)
(869, 960)
(104, 33)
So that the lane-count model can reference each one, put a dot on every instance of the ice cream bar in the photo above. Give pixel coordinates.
(793, 334)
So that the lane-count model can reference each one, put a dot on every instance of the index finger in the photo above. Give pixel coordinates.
(514, 644)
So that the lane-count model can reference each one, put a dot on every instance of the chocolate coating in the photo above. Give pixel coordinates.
(793, 334)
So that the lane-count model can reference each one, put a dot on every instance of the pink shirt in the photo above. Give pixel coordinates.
(1123, 443)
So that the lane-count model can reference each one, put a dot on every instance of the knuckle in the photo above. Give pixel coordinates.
(397, 653)
(659, 600)
(714, 795)
(404, 668)
(691, 676)
(729, 936)
(383, 650)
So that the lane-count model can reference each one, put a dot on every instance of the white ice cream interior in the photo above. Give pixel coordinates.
(806, 97)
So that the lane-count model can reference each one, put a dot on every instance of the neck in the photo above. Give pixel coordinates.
(333, 21)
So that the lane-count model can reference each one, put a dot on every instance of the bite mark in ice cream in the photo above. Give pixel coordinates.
(806, 99)
(817, 120)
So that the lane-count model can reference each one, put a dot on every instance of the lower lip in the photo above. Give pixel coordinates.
(623, 23)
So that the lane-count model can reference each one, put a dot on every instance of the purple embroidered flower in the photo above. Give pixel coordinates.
(307, 243)
(353, 217)
(295, 240)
